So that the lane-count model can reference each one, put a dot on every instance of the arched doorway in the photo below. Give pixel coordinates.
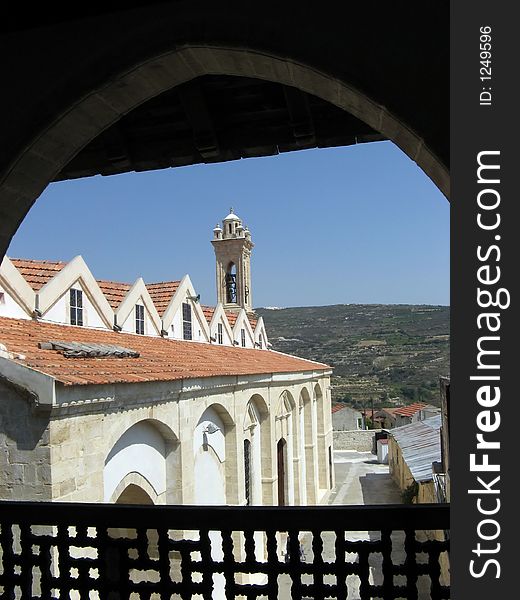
(257, 453)
(133, 494)
(281, 461)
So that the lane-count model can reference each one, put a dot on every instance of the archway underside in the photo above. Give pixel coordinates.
(217, 118)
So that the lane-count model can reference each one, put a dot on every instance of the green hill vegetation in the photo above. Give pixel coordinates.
(383, 353)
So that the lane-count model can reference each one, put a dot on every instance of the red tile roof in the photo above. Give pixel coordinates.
(161, 294)
(114, 291)
(410, 410)
(208, 311)
(231, 317)
(160, 359)
(37, 272)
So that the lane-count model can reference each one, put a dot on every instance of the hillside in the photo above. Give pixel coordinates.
(383, 352)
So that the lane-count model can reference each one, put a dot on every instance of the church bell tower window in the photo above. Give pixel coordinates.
(231, 285)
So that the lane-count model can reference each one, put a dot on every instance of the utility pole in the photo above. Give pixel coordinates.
(372, 403)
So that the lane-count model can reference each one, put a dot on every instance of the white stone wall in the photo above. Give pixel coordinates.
(102, 438)
(360, 440)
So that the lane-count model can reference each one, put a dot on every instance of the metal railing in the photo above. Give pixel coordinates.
(109, 552)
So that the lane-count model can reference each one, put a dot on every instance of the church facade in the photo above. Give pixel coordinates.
(138, 393)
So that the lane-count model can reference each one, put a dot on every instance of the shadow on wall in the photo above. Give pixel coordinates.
(20, 424)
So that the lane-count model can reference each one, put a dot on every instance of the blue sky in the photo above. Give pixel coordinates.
(360, 224)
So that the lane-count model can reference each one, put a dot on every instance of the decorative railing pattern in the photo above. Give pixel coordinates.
(109, 552)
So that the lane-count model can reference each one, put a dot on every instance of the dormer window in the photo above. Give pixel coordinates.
(220, 334)
(261, 341)
(139, 319)
(243, 337)
(76, 307)
(186, 321)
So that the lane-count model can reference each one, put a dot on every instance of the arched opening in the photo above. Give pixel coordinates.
(103, 99)
(310, 442)
(281, 462)
(215, 458)
(286, 428)
(247, 471)
(231, 283)
(257, 452)
(144, 457)
(323, 425)
(133, 494)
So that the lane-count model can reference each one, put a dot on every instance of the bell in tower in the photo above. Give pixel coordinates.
(233, 245)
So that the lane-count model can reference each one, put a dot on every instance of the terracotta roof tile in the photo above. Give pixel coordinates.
(161, 294)
(208, 311)
(37, 272)
(231, 317)
(114, 291)
(160, 359)
(411, 409)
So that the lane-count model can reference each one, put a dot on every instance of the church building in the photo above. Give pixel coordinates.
(138, 393)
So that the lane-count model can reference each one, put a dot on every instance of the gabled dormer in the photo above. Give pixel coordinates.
(243, 335)
(261, 340)
(137, 312)
(220, 329)
(184, 319)
(17, 297)
(73, 297)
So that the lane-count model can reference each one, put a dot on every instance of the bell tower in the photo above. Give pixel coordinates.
(233, 245)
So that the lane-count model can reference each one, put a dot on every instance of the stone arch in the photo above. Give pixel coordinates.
(286, 428)
(41, 158)
(321, 433)
(134, 489)
(133, 418)
(309, 435)
(257, 431)
(215, 454)
(146, 455)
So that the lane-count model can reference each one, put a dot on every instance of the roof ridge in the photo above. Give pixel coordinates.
(39, 261)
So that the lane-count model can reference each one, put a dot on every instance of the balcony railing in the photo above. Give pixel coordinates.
(109, 552)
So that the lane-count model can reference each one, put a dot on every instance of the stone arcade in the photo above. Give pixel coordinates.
(201, 411)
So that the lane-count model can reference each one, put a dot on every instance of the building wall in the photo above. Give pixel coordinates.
(346, 419)
(25, 471)
(359, 440)
(398, 468)
(103, 438)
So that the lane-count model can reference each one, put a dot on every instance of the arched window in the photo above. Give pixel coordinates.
(231, 284)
